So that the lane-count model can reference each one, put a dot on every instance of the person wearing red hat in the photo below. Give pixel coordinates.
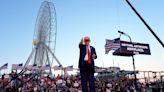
(86, 64)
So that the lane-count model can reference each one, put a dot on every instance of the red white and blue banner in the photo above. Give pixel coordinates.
(57, 67)
(29, 67)
(34, 67)
(69, 68)
(4, 66)
(46, 67)
(17, 66)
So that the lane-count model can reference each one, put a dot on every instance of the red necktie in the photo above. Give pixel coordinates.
(89, 56)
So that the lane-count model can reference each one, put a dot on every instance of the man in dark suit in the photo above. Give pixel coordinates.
(86, 64)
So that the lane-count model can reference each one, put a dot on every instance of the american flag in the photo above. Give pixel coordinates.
(17, 66)
(46, 67)
(34, 67)
(57, 67)
(29, 67)
(112, 45)
(69, 68)
(4, 66)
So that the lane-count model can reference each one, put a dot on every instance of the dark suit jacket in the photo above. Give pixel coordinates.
(82, 63)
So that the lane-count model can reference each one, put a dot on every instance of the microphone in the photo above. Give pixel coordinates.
(121, 32)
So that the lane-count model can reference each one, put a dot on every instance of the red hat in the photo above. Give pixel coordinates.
(87, 38)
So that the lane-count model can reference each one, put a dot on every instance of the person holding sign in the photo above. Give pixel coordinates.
(86, 64)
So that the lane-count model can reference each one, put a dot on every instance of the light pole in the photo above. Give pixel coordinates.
(134, 68)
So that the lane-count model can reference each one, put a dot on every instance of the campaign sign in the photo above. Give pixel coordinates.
(129, 49)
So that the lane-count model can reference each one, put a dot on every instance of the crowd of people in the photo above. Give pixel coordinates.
(62, 83)
(59, 83)
(38, 83)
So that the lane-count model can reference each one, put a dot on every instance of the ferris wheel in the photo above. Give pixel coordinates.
(46, 25)
(44, 40)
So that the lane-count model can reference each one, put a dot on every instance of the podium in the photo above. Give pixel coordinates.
(120, 52)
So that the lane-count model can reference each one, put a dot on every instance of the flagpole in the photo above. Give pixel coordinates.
(118, 64)
(113, 62)
(103, 64)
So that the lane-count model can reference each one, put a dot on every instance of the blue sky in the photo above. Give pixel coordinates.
(99, 19)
